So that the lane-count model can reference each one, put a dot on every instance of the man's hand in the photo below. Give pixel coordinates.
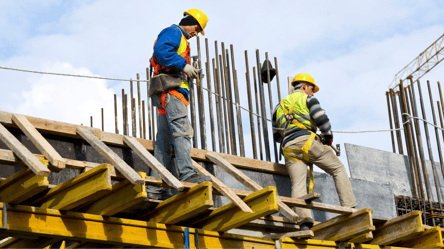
(191, 71)
(328, 140)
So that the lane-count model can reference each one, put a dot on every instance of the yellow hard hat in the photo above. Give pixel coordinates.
(304, 77)
(200, 17)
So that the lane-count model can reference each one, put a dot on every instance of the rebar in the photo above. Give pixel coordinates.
(263, 112)
(250, 107)
(258, 117)
(237, 103)
(210, 96)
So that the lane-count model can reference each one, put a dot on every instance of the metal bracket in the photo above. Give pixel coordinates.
(5, 219)
(338, 146)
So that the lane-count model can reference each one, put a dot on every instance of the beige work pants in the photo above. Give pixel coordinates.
(323, 157)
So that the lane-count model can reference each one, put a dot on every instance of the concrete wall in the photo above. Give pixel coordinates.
(384, 167)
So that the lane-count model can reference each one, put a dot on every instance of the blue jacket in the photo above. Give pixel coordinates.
(165, 50)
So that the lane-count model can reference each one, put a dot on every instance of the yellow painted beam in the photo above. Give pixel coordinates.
(86, 187)
(431, 238)
(123, 195)
(362, 238)
(262, 202)
(21, 186)
(345, 227)
(398, 229)
(91, 228)
(183, 205)
(290, 243)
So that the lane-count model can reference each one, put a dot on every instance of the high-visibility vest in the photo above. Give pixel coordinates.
(183, 50)
(294, 108)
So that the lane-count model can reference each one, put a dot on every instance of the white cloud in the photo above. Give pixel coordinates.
(66, 99)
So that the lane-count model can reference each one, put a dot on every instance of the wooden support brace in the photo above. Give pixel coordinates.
(183, 205)
(262, 202)
(296, 235)
(222, 188)
(57, 162)
(345, 227)
(247, 182)
(154, 164)
(273, 222)
(107, 153)
(23, 153)
(398, 229)
(84, 188)
(22, 186)
(123, 195)
(431, 238)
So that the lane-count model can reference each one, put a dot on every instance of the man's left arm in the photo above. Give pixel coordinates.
(321, 119)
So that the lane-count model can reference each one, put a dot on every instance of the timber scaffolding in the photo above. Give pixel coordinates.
(84, 192)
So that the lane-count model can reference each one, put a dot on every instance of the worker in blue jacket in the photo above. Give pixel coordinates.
(172, 57)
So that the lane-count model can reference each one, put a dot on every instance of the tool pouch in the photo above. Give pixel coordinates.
(164, 82)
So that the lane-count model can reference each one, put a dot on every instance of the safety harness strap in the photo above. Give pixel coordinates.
(175, 94)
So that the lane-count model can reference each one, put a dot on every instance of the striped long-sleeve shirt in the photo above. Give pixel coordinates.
(320, 118)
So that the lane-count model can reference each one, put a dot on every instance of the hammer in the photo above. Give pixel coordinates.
(336, 149)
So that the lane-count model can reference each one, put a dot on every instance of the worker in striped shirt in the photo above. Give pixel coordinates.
(295, 121)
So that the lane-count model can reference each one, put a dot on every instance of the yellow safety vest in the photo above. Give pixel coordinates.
(293, 112)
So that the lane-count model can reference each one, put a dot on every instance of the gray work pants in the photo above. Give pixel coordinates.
(323, 157)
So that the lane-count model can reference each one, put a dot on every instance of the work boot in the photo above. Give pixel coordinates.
(305, 223)
(158, 193)
(195, 178)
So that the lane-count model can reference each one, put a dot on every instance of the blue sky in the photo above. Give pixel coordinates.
(353, 49)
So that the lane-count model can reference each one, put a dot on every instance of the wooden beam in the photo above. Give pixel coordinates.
(123, 195)
(297, 235)
(40, 142)
(398, 229)
(182, 206)
(431, 238)
(86, 187)
(23, 153)
(154, 164)
(247, 182)
(222, 188)
(91, 228)
(273, 222)
(310, 197)
(107, 153)
(22, 186)
(345, 227)
(262, 202)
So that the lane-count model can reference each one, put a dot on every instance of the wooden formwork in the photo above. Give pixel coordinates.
(107, 204)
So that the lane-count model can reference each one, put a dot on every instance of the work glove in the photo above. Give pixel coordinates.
(328, 140)
(191, 71)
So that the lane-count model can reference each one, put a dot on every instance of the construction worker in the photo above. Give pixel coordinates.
(171, 56)
(295, 121)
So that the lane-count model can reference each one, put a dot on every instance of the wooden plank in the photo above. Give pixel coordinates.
(123, 195)
(23, 153)
(262, 202)
(345, 227)
(182, 206)
(398, 229)
(362, 238)
(86, 187)
(296, 235)
(273, 222)
(48, 126)
(91, 228)
(222, 188)
(310, 197)
(22, 186)
(57, 162)
(107, 153)
(247, 182)
(154, 164)
(431, 238)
